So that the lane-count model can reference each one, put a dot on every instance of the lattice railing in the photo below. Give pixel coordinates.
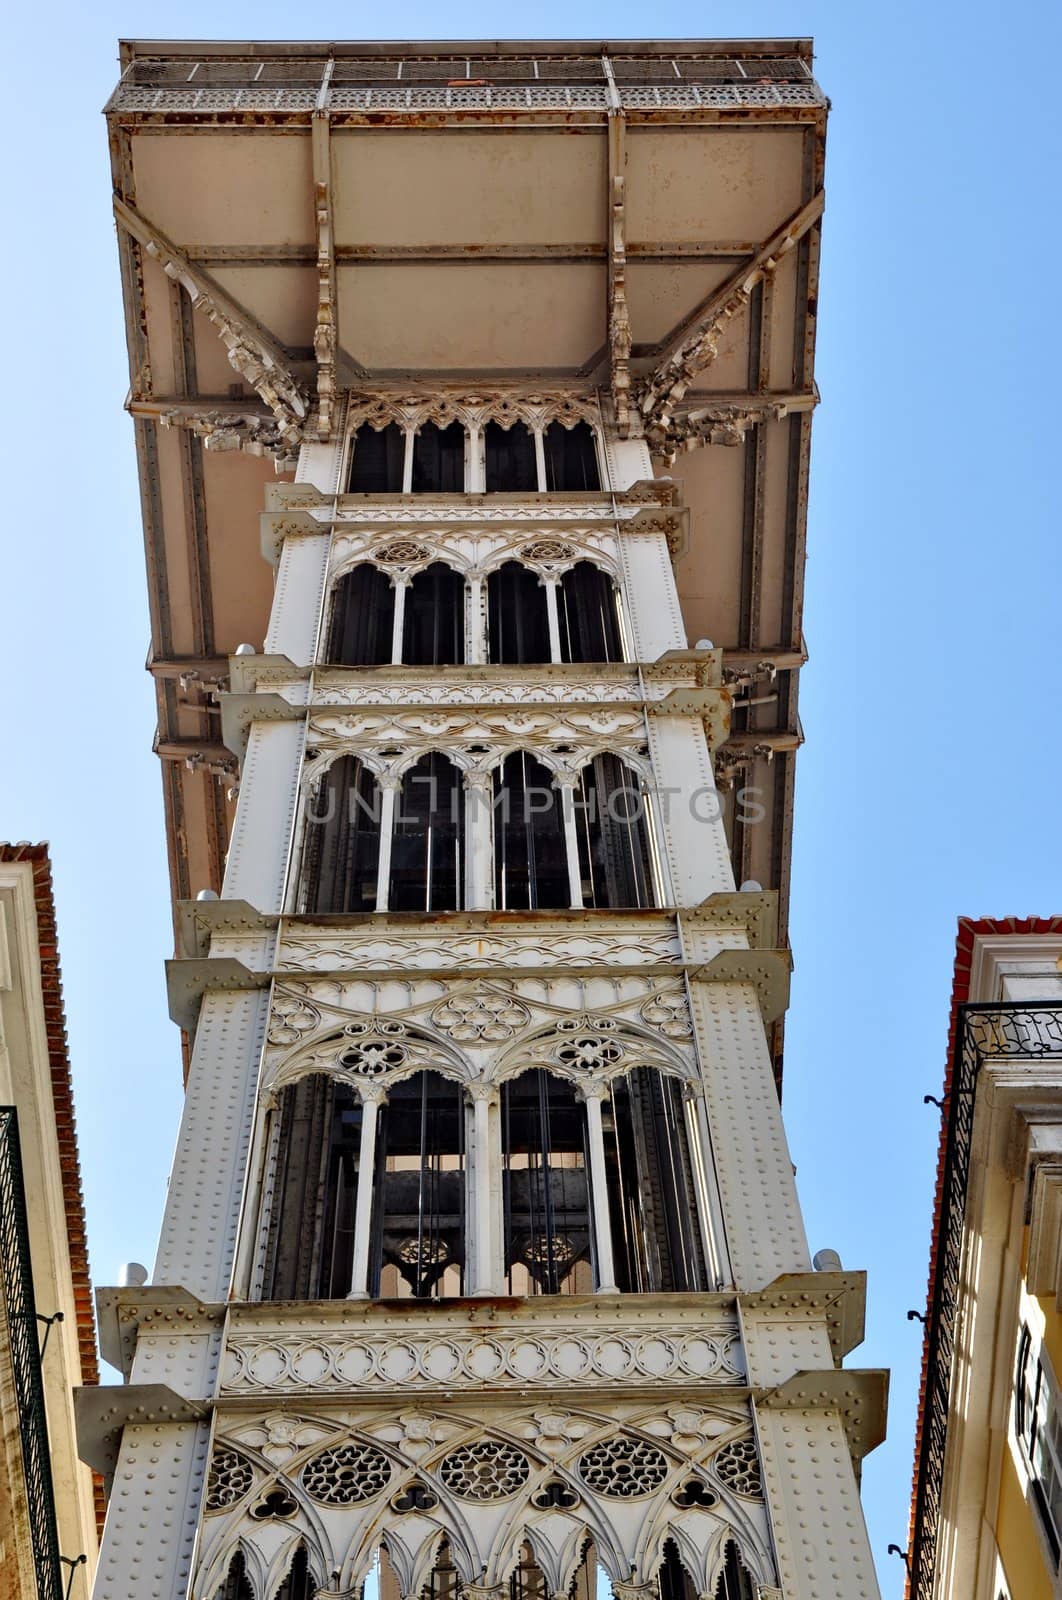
(984, 1033)
(463, 83)
(19, 1314)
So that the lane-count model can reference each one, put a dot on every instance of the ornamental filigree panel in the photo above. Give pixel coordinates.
(475, 552)
(489, 1481)
(483, 1029)
(343, 1361)
(432, 950)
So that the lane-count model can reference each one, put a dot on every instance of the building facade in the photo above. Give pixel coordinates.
(482, 1269)
(50, 1508)
(986, 1516)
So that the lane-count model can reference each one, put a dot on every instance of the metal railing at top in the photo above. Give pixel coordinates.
(462, 83)
(18, 1315)
(984, 1033)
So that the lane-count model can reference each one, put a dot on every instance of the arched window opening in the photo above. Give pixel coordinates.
(439, 459)
(530, 852)
(300, 1583)
(433, 633)
(546, 1195)
(612, 825)
(510, 459)
(310, 1238)
(656, 1245)
(589, 623)
(427, 847)
(419, 1219)
(735, 1582)
(237, 1585)
(362, 627)
(517, 617)
(341, 852)
(378, 461)
(571, 458)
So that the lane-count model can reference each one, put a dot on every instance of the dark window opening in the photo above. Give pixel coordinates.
(341, 853)
(530, 852)
(310, 1240)
(237, 1585)
(547, 1230)
(676, 1584)
(586, 608)
(510, 459)
(427, 847)
(377, 463)
(656, 1244)
(439, 459)
(1038, 1424)
(433, 632)
(363, 612)
(419, 1215)
(612, 824)
(571, 458)
(300, 1583)
(517, 617)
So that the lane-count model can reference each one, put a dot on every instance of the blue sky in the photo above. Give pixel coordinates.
(928, 786)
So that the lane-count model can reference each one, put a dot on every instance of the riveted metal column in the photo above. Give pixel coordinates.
(592, 1095)
(372, 1098)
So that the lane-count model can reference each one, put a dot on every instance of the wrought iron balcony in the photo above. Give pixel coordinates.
(24, 1356)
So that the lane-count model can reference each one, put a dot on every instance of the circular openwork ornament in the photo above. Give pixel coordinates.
(231, 1476)
(737, 1465)
(487, 1470)
(346, 1474)
(623, 1469)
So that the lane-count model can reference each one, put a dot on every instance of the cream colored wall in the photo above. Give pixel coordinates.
(25, 1082)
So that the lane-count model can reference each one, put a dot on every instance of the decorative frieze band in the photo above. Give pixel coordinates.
(288, 1363)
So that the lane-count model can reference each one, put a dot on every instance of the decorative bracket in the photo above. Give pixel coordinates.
(252, 350)
(696, 344)
(619, 319)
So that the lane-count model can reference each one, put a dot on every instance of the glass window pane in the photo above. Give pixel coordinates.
(510, 459)
(439, 459)
(376, 465)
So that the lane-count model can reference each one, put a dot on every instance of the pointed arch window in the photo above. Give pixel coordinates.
(588, 616)
(299, 1584)
(341, 852)
(419, 1219)
(378, 461)
(656, 1244)
(362, 626)
(237, 1585)
(517, 616)
(310, 1233)
(434, 619)
(675, 1583)
(439, 459)
(530, 847)
(427, 870)
(547, 1228)
(571, 458)
(612, 824)
(510, 459)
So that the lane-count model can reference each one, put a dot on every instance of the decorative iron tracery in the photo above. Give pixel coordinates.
(623, 1468)
(737, 1465)
(983, 1033)
(486, 1470)
(231, 1477)
(346, 1474)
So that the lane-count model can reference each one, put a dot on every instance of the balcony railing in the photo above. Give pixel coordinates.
(418, 84)
(984, 1034)
(23, 1336)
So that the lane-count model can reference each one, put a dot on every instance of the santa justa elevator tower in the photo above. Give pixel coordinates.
(472, 388)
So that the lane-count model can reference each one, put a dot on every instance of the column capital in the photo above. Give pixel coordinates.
(592, 1089)
(478, 1090)
(370, 1092)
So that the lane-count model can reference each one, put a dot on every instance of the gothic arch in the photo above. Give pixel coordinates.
(381, 1050)
(592, 1046)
